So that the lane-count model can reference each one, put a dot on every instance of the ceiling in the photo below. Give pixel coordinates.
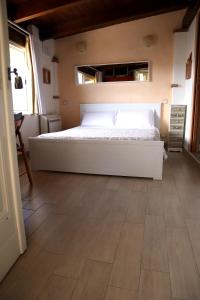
(61, 18)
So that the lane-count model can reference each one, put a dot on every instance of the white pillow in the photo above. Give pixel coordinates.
(137, 119)
(98, 119)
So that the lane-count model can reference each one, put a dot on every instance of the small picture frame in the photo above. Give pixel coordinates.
(46, 76)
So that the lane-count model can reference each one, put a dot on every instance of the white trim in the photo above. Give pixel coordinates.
(10, 132)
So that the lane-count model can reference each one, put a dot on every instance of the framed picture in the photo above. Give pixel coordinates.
(46, 76)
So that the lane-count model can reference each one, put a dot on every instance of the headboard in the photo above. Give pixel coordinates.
(156, 107)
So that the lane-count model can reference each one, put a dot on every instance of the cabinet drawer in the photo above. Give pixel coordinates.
(175, 139)
(176, 134)
(178, 108)
(177, 127)
(177, 114)
(175, 121)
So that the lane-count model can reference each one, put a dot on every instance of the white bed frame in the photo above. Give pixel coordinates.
(123, 158)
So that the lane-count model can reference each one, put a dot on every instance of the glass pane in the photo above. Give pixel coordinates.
(18, 61)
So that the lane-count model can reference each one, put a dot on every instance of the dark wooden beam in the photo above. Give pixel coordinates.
(108, 18)
(190, 14)
(30, 10)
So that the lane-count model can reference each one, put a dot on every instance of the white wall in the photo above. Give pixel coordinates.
(30, 126)
(179, 59)
(114, 44)
(49, 90)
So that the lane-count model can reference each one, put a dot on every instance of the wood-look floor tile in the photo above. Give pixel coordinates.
(168, 185)
(72, 205)
(28, 192)
(154, 286)
(36, 219)
(101, 180)
(127, 184)
(155, 244)
(114, 183)
(31, 278)
(139, 185)
(41, 237)
(106, 240)
(83, 216)
(63, 235)
(137, 203)
(114, 293)
(27, 213)
(127, 265)
(58, 288)
(155, 203)
(153, 184)
(79, 249)
(191, 205)
(194, 233)
(185, 281)
(173, 212)
(107, 204)
(35, 203)
(93, 281)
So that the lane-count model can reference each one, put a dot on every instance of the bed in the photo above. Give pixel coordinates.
(106, 150)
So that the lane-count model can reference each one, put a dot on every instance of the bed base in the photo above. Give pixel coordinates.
(122, 158)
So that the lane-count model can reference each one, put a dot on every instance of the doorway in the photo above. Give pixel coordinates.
(195, 133)
(12, 236)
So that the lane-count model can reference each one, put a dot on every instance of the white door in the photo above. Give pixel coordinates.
(12, 236)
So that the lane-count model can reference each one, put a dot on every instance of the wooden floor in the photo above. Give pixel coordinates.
(110, 238)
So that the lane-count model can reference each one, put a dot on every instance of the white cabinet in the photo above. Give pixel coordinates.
(177, 127)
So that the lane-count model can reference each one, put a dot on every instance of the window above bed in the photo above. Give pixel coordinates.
(118, 72)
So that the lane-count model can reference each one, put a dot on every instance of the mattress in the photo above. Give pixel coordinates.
(97, 133)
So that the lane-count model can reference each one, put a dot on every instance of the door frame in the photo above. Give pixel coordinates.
(195, 128)
(11, 155)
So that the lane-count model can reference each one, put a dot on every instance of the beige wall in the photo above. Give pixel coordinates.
(118, 43)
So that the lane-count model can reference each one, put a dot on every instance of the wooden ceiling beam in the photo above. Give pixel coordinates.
(100, 20)
(30, 10)
(190, 14)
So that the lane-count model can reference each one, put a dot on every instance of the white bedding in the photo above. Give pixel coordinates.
(95, 133)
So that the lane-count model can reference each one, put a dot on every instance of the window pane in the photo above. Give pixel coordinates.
(18, 61)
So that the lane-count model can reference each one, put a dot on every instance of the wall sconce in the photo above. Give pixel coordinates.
(149, 40)
(81, 46)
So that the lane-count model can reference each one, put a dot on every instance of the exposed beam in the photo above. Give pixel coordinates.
(190, 14)
(30, 10)
(100, 20)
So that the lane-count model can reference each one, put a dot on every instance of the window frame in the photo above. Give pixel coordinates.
(26, 82)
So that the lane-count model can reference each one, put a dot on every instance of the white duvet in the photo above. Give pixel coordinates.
(97, 133)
